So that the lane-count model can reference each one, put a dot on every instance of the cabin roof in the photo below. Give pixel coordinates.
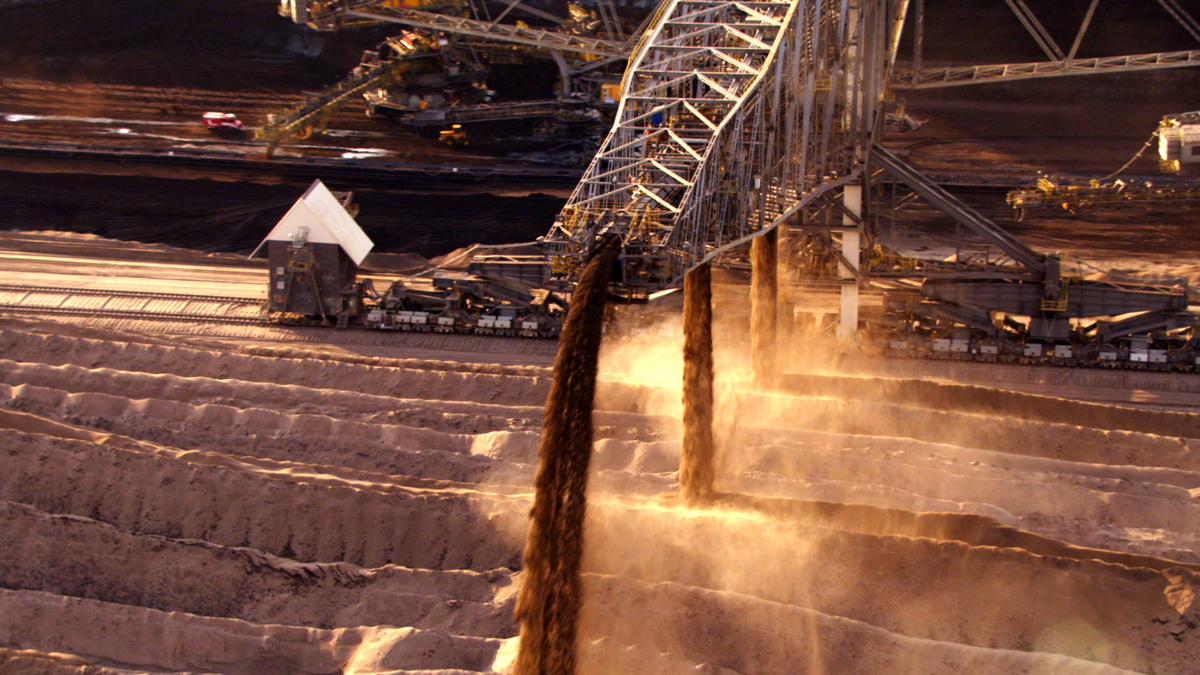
(320, 213)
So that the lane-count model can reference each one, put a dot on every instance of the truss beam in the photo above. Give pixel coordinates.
(733, 115)
(1036, 29)
(949, 204)
(531, 37)
(1060, 64)
(930, 78)
(1181, 15)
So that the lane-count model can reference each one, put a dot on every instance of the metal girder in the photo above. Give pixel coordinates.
(337, 14)
(733, 116)
(1036, 29)
(517, 5)
(1181, 15)
(949, 204)
(324, 103)
(1080, 299)
(1087, 21)
(930, 78)
(1141, 324)
(966, 315)
(533, 37)
(919, 76)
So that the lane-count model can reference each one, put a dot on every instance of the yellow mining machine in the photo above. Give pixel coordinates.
(1049, 193)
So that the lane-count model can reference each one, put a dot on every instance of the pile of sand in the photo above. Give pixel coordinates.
(199, 509)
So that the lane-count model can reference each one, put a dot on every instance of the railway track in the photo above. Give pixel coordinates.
(45, 300)
(245, 320)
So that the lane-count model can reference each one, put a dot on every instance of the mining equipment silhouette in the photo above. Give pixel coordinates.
(739, 120)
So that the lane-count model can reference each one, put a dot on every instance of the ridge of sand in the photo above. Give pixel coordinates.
(734, 633)
(310, 521)
(232, 394)
(972, 430)
(101, 562)
(310, 507)
(922, 578)
(409, 378)
(996, 402)
(144, 637)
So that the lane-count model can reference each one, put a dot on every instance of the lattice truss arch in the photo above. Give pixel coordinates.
(1060, 62)
(734, 114)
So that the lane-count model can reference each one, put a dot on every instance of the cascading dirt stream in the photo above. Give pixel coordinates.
(549, 602)
(696, 467)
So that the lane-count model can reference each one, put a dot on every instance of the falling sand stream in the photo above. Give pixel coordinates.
(696, 470)
(548, 606)
(549, 602)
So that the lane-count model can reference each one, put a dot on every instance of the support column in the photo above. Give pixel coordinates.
(764, 306)
(852, 252)
(696, 466)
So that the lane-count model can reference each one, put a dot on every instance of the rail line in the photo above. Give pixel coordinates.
(46, 300)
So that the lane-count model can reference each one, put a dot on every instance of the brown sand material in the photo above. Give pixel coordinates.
(968, 528)
(549, 603)
(207, 579)
(764, 299)
(407, 378)
(948, 397)
(696, 470)
(922, 588)
(30, 662)
(287, 543)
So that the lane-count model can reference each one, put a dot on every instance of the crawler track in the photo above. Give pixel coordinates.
(43, 300)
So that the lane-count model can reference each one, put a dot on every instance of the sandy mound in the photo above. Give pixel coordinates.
(189, 508)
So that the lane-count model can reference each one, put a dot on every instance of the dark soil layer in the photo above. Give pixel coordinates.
(255, 62)
(215, 216)
(987, 31)
(242, 47)
(223, 44)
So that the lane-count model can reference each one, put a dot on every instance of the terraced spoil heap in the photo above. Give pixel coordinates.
(202, 509)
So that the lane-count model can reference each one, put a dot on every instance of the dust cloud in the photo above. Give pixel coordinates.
(836, 473)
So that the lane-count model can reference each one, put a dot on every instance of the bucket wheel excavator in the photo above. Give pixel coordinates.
(735, 119)
(434, 73)
(739, 118)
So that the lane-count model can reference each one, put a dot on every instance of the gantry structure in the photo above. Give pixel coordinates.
(737, 117)
(1058, 63)
(734, 117)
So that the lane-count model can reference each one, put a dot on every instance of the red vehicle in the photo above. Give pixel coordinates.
(220, 120)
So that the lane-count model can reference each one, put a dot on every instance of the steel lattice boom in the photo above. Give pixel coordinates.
(734, 115)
